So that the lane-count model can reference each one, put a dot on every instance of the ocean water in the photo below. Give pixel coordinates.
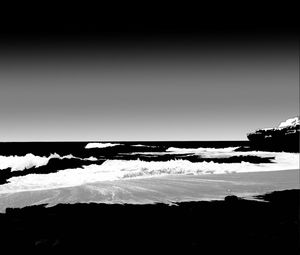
(53, 165)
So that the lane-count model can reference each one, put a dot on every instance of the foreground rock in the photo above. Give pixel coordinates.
(285, 137)
(231, 226)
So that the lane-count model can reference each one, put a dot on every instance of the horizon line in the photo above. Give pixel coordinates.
(49, 141)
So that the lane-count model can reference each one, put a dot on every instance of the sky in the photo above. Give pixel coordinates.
(187, 86)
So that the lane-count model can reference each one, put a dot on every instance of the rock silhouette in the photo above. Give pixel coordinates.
(231, 226)
(285, 137)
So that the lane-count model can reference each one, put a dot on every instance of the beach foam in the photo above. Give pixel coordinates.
(112, 170)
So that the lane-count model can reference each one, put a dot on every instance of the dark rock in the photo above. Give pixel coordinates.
(283, 138)
(232, 226)
(231, 199)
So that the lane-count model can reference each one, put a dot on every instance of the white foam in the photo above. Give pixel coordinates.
(70, 156)
(226, 152)
(142, 145)
(201, 150)
(91, 158)
(196, 151)
(19, 163)
(149, 153)
(112, 170)
(101, 145)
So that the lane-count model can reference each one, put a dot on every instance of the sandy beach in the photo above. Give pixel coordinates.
(164, 189)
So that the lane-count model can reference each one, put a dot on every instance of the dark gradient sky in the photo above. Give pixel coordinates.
(133, 85)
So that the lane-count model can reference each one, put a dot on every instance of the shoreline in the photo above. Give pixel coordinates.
(163, 189)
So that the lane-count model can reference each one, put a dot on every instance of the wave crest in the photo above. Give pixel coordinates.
(142, 145)
(19, 163)
(101, 145)
(201, 149)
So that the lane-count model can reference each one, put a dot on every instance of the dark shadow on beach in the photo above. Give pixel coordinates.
(269, 225)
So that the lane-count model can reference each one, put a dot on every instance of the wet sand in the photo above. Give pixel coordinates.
(163, 189)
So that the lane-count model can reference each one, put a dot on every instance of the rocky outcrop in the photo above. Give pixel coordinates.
(285, 137)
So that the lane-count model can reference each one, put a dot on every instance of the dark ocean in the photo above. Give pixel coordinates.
(78, 148)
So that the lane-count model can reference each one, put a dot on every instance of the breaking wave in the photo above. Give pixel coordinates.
(112, 170)
(91, 158)
(201, 150)
(142, 145)
(19, 163)
(223, 152)
(101, 145)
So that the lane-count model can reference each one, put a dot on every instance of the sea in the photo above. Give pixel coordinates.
(138, 171)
